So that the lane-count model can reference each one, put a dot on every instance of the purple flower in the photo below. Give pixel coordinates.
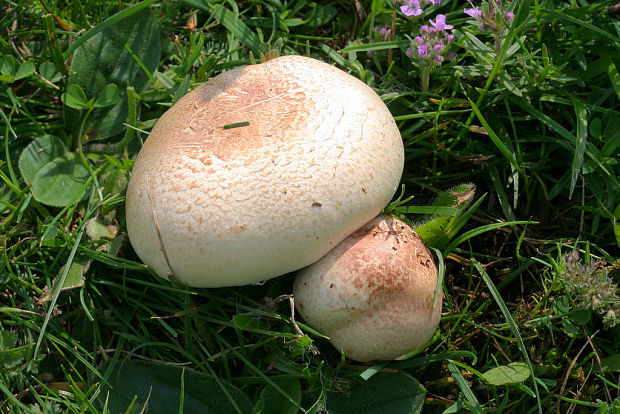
(432, 43)
(383, 29)
(440, 23)
(412, 8)
(487, 16)
(436, 2)
(474, 12)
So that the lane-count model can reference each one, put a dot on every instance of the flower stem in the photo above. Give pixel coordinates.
(426, 74)
(498, 45)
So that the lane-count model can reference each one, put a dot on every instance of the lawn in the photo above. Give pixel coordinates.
(510, 119)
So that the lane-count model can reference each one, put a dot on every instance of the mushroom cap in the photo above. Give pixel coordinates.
(261, 171)
(372, 295)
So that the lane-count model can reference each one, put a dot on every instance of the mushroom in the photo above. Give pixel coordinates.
(373, 294)
(260, 171)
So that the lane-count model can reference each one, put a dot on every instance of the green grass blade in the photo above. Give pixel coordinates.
(394, 44)
(501, 194)
(580, 144)
(508, 154)
(61, 281)
(511, 324)
(11, 397)
(559, 129)
(442, 210)
(239, 29)
(256, 370)
(612, 72)
(566, 17)
(479, 230)
(440, 267)
(467, 392)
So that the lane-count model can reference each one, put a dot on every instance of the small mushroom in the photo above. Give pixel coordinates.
(260, 171)
(372, 295)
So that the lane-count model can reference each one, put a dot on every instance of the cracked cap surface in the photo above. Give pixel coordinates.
(261, 171)
(372, 295)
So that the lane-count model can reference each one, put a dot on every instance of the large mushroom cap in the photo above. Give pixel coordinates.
(261, 171)
(372, 295)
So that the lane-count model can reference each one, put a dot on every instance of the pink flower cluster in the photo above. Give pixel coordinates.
(487, 15)
(432, 43)
(414, 7)
(383, 29)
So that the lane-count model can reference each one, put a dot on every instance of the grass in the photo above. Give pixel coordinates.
(526, 110)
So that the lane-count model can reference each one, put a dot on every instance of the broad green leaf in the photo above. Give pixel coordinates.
(378, 6)
(7, 65)
(273, 402)
(103, 59)
(8, 339)
(611, 363)
(158, 391)
(7, 68)
(320, 15)
(96, 229)
(435, 230)
(581, 316)
(561, 305)
(60, 181)
(48, 71)
(509, 84)
(25, 69)
(75, 276)
(382, 393)
(507, 374)
(110, 22)
(10, 356)
(38, 153)
(108, 96)
(75, 97)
